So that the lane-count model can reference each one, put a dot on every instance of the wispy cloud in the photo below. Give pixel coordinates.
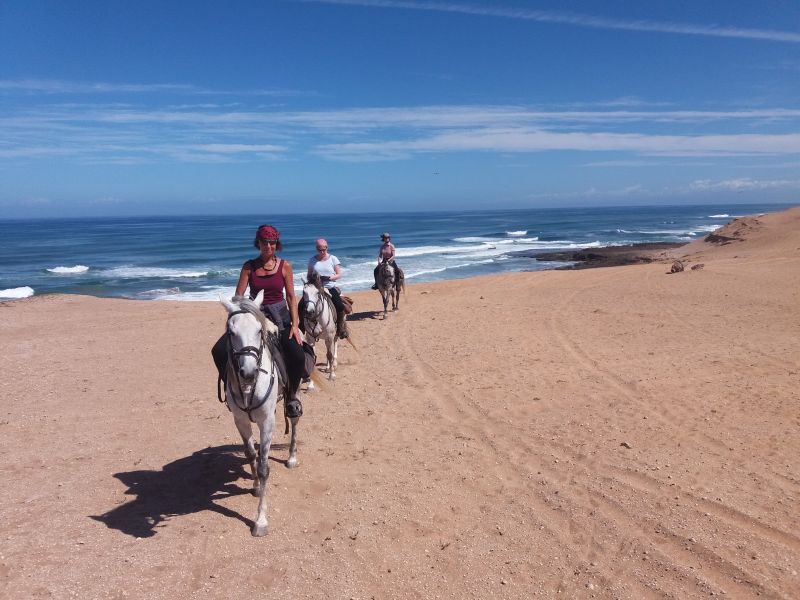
(743, 184)
(54, 86)
(131, 134)
(526, 140)
(579, 20)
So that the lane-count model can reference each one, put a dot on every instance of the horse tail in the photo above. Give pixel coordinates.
(319, 380)
(349, 338)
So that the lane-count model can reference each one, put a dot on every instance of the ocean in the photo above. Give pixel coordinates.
(199, 257)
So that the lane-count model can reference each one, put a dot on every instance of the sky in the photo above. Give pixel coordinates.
(202, 107)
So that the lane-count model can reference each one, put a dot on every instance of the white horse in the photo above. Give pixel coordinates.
(390, 281)
(320, 321)
(253, 386)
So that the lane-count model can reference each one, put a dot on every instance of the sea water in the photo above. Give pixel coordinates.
(199, 257)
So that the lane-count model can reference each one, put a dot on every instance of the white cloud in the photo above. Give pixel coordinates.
(130, 135)
(237, 148)
(55, 86)
(578, 20)
(743, 184)
(531, 140)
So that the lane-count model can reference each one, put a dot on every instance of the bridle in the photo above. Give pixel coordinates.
(313, 318)
(247, 404)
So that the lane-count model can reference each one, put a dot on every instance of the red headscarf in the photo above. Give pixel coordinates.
(267, 232)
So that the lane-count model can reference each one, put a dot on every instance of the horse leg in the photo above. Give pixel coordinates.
(291, 462)
(385, 297)
(246, 431)
(330, 354)
(260, 527)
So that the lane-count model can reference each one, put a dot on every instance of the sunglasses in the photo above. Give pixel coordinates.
(322, 247)
(273, 242)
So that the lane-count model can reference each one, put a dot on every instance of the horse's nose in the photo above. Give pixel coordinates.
(242, 373)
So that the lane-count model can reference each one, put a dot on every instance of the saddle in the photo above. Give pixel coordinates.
(280, 362)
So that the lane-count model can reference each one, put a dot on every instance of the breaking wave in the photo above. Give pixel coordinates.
(69, 270)
(19, 292)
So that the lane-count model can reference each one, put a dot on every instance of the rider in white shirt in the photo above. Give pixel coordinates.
(327, 266)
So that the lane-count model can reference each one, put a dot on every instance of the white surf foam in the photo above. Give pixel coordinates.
(151, 272)
(476, 239)
(517, 233)
(722, 216)
(211, 294)
(19, 292)
(69, 270)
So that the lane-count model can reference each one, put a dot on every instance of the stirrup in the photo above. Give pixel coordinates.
(294, 408)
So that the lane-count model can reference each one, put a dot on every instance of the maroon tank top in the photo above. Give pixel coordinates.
(271, 284)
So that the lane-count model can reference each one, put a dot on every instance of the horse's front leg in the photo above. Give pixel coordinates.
(267, 426)
(330, 354)
(385, 296)
(291, 462)
(246, 431)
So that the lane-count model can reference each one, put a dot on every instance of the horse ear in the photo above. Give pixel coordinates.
(229, 306)
(259, 298)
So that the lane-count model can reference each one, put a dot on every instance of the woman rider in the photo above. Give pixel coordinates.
(386, 253)
(329, 269)
(272, 274)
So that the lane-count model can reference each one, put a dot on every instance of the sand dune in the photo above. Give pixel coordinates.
(609, 433)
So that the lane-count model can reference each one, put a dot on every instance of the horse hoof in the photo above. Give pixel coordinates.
(292, 463)
(259, 530)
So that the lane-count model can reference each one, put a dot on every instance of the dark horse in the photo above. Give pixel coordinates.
(390, 282)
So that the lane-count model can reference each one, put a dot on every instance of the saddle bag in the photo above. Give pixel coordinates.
(310, 360)
(347, 302)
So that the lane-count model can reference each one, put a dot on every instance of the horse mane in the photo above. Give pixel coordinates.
(315, 280)
(248, 306)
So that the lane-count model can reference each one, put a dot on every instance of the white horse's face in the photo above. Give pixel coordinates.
(245, 340)
(245, 332)
(311, 297)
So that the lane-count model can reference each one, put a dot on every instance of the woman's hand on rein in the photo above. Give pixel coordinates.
(296, 334)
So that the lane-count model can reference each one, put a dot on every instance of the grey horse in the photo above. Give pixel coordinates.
(253, 386)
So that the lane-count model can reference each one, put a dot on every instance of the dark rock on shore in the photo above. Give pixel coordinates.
(611, 256)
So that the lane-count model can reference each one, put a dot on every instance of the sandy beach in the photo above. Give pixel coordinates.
(605, 433)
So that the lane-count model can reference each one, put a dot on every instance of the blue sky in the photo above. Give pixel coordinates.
(120, 108)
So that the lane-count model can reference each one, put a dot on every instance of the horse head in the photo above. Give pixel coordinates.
(247, 331)
(386, 275)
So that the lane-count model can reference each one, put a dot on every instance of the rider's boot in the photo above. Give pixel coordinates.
(294, 408)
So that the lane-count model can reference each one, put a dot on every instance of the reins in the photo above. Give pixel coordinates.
(247, 404)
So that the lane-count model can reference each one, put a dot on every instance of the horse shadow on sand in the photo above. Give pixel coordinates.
(188, 485)
(367, 314)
